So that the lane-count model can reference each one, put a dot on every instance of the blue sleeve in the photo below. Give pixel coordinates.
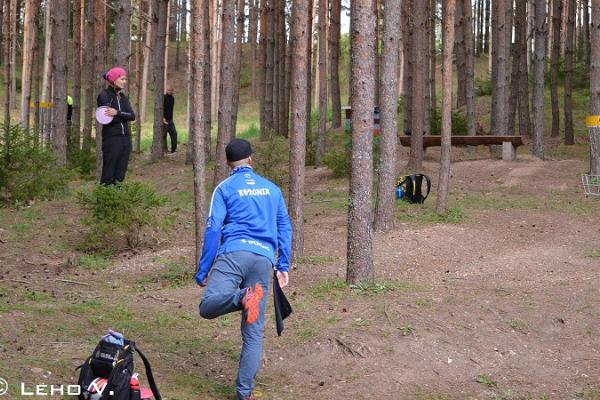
(212, 235)
(284, 237)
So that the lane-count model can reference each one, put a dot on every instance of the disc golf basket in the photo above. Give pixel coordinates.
(591, 184)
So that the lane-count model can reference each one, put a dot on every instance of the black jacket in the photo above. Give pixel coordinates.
(118, 126)
(168, 104)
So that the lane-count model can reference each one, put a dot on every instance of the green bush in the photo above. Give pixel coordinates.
(27, 169)
(121, 210)
(338, 159)
(459, 123)
(483, 87)
(271, 160)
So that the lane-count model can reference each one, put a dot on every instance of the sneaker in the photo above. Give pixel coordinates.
(251, 303)
(251, 397)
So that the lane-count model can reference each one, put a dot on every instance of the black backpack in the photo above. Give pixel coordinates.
(412, 188)
(114, 363)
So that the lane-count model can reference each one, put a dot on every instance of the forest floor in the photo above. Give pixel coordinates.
(499, 299)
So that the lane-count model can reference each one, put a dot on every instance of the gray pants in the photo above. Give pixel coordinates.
(230, 275)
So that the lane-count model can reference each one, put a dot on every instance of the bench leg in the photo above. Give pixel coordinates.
(509, 151)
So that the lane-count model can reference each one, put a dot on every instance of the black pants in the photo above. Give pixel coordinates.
(115, 157)
(172, 131)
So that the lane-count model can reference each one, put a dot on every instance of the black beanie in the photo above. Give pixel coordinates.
(238, 149)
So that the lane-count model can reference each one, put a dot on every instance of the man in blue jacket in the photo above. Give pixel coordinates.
(248, 216)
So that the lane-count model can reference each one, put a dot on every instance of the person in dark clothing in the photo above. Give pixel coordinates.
(116, 137)
(168, 104)
(69, 110)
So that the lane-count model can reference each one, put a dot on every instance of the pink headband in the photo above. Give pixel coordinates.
(114, 73)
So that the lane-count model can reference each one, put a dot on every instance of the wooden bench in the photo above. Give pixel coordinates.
(509, 143)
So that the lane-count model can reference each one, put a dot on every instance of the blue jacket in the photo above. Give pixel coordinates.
(247, 213)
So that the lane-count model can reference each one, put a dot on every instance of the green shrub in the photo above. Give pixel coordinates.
(483, 86)
(121, 210)
(28, 170)
(459, 123)
(271, 160)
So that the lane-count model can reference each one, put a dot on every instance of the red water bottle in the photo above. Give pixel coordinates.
(134, 386)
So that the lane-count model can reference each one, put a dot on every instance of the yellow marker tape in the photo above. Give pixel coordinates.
(592, 121)
(41, 105)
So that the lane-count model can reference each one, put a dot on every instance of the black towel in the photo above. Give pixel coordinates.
(282, 306)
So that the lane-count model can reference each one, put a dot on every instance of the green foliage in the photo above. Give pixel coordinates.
(122, 209)
(271, 160)
(251, 133)
(28, 170)
(94, 262)
(459, 123)
(406, 330)
(483, 86)
(486, 380)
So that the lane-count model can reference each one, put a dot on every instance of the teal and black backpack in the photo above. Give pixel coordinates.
(410, 188)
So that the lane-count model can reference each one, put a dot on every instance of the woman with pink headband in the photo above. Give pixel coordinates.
(116, 136)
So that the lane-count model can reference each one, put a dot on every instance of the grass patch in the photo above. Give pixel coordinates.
(518, 325)
(330, 199)
(316, 260)
(307, 332)
(197, 383)
(590, 393)
(407, 212)
(422, 394)
(328, 289)
(594, 254)
(406, 330)
(94, 262)
(374, 288)
(486, 380)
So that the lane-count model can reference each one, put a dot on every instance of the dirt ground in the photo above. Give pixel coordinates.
(501, 301)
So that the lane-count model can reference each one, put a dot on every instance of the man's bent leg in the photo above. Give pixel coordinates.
(260, 272)
(222, 294)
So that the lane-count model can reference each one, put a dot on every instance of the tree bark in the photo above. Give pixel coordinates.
(237, 68)
(500, 91)
(334, 63)
(555, 55)
(198, 114)
(407, 62)
(59, 68)
(76, 68)
(586, 32)
(461, 58)
(29, 42)
(469, 67)
(523, 95)
(122, 41)
(148, 54)
(432, 56)
(158, 59)
(486, 36)
(5, 58)
(538, 78)
(225, 130)
(362, 75)
(384, 209)
(252, 31)
(444, 176)
(299, 96)
(139, 52)
(88, 73)
(207, 102)
(100, 65)
(15, 11)
(322, 125)
(262, 63)
(594, 132)
(419, 13)
(47, 77)
(569, 47)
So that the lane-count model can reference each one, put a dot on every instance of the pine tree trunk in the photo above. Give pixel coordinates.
(47, 77)
(252, 30)
(59, 68)
(377, 12)
(586, 32)
(29, 41)
(75, 128)
(88, 74)
(384, 209)
(538, 79)
(158, 59)
(262, 65)
(569, 47)
(36, 78)
(299, 96)
(139, 52)
(555, 55)
(334, 63)
(444, 175)
(122, 40)
(276, 62)
(360, 246)
(147, 58)
(419, 13)
(469, 68)
(500, 92)
(14, 11)
(5, 58)
(407, 62)
(461, 58)
(237, 67)
(523, 95)
(225, 131)
(322, 125)
(595, 88)
(432, 56)
(207, 86)
(172, 22)
(486, 36)
(198, 113)
(99, 65)
(281, 102)
(309, 75)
